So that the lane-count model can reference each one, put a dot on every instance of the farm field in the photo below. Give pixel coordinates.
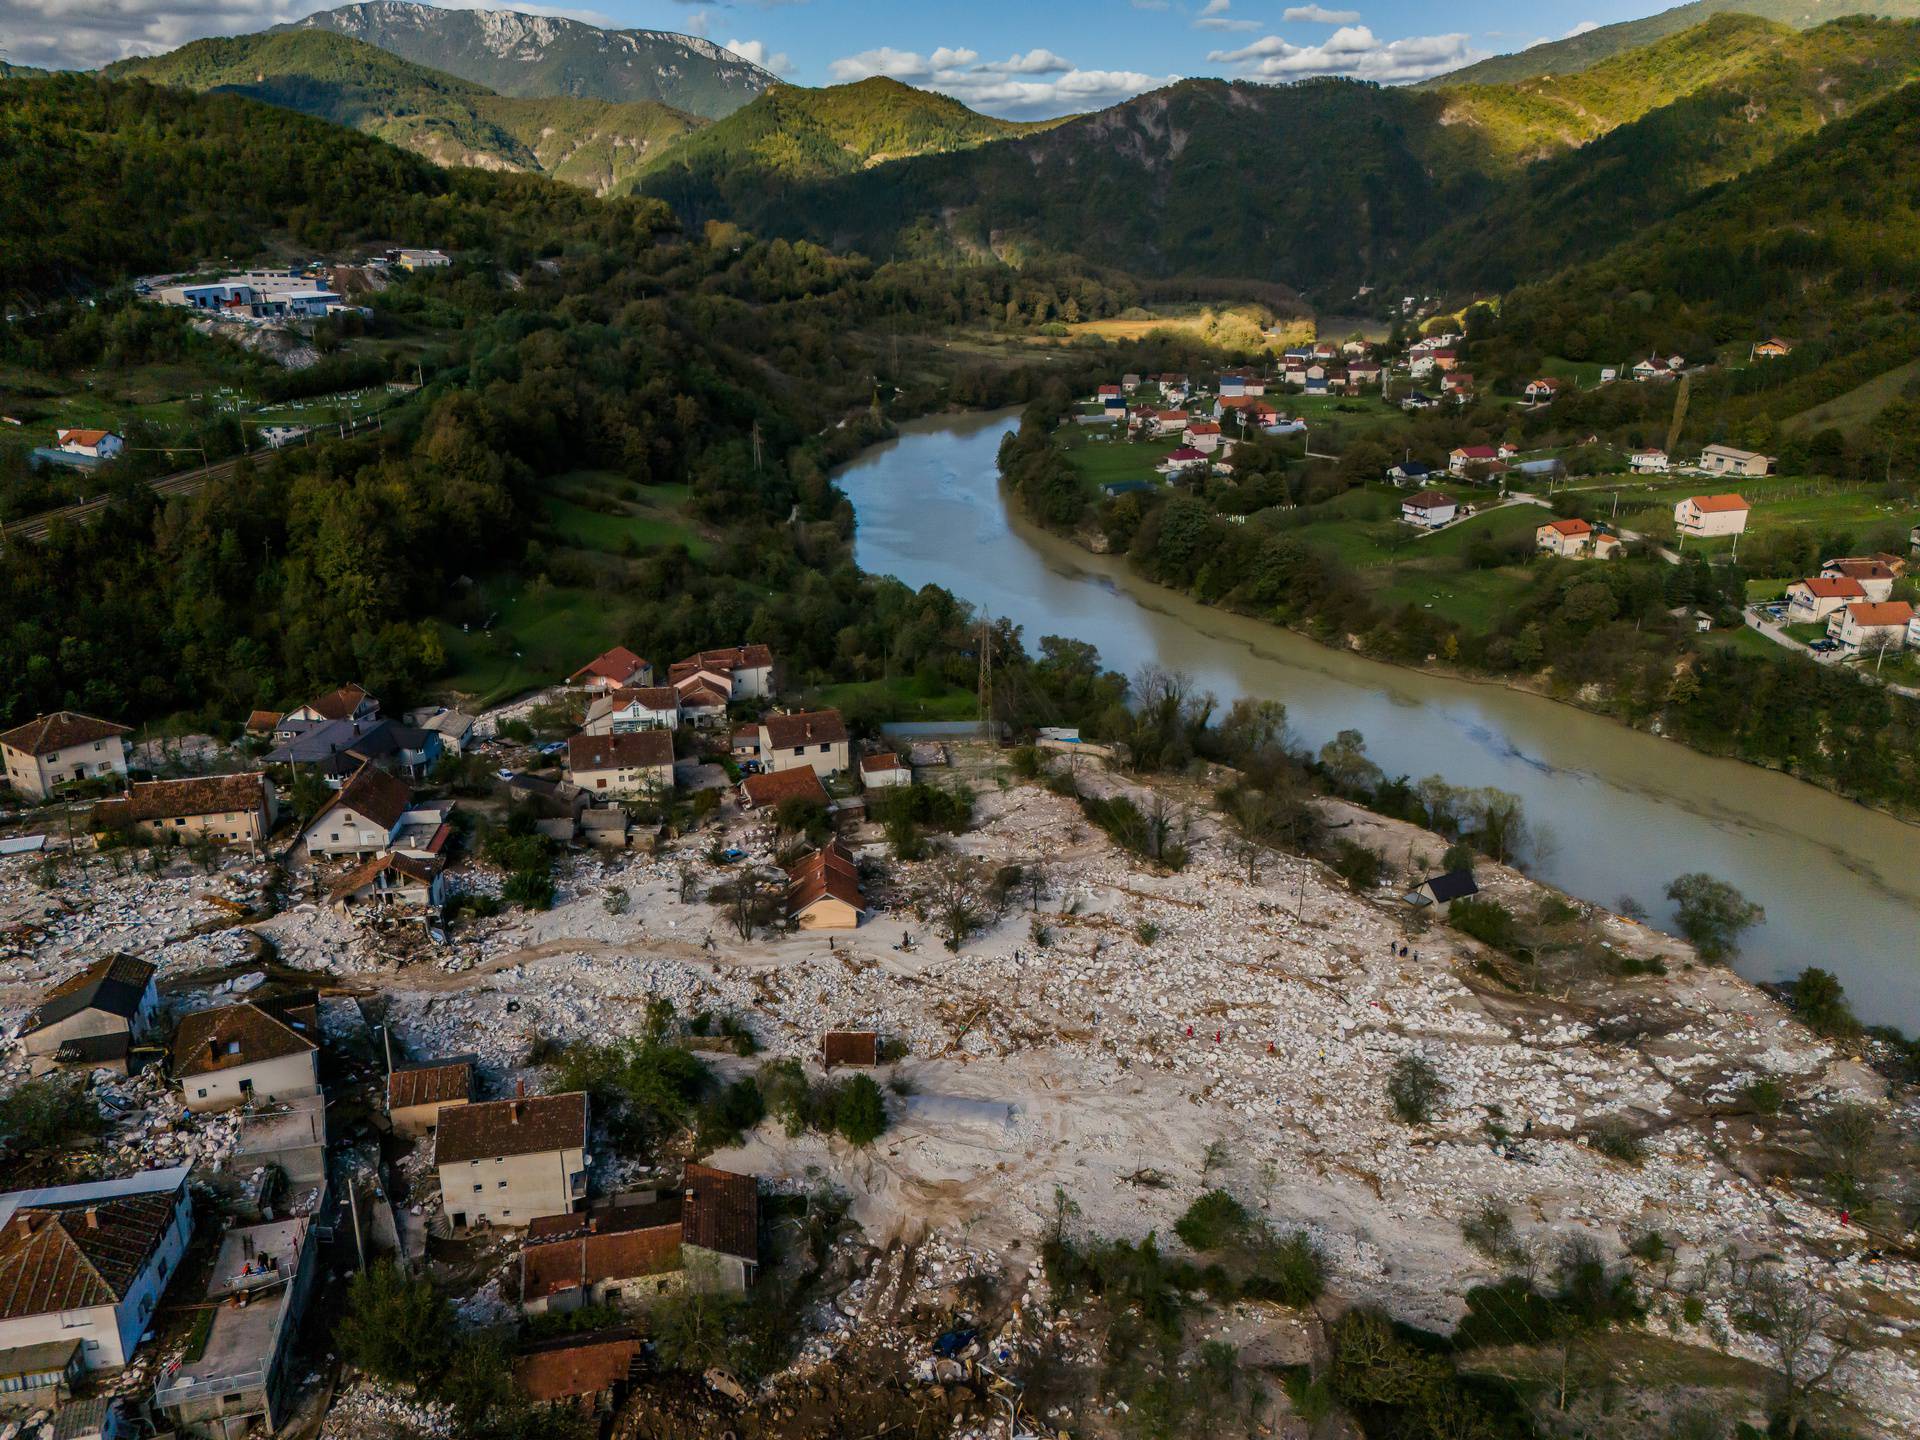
(599, 510)
(536, 635)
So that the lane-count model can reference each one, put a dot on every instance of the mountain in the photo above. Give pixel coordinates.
(592, 143)
(1589, 48)
(741, 166)
(543, 56)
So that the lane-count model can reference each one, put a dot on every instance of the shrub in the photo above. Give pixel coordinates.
(1357, 865)
(396, 1326)
(725, 1117)
(1617, 1140)
(1821, 1003)
(645, 1088)
(1765, 1095)
(1214, 1220)
(1289, 1271)
(860, 1114)
(47, 1112)
(1490, 1231)
(1487, 921)
(1415, 1088)
(1712, 914)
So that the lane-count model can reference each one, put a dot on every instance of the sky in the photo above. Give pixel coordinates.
(1015, 58)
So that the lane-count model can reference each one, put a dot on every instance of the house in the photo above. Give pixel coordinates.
(51, 750)
(1364, 373)
(770, 789)
(1445, 358)
(823, 890)
(1650, 369)
(335, 749)
(1772, 348)
(1463, 458)
(1648, 462)
(1875, 577)
(244, 1371)
(363, 818)
(884, 771)
(857, 1048)
(1203, 435)
(1429, 508)
(1725, 460)
(506, 1162)
(394, 882)
(113, 1000)
(256, 1051)
(1180, 460)
(1818, 596)
(1676, 363)
(1130, 382)
(635, 762)
(1169, 422)
(348, 703)
(417, 1093)
(617, 669)
(1544, 390)
(1913, 633)
(1568, 539)
(454, 727)
(745, 743)
(1609, 374)
(421, 259)
(705, 1235)
(1440, 891)
(1458, 383)
(261, 724)
(591, 1370)
(746, 669)
(1606, 546)
(1409, 472)
(620, 712)
(1865, 626)
(1710, 515)
(93, 444)
(704, 696)
(82, 1270)
(226, 809)
(817, 738)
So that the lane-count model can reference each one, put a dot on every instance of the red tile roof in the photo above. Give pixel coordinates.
(78, 1254)
(822, 873)
(208, 1041)
(722, 1211)
(635, 750)
(531, 1125)
(576, 1366)
(647, 697)
(731, 657)
(338, 704)
(81, 437)
(618, 665)
(767, 791)
(1886, 612)
(804, 727)
(622, 1242)
(1568, 527)
(58, 731)
(1427, 500)
(421, 872)
(884, 761)
(1712, 504)
(850, 1047)
(1840, 587)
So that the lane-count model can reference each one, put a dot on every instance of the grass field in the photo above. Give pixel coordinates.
(1780, 502)
(599, 510)
(536, 638)
(901, 698)
(1852, 412)
(1747, 641)
(1104, 461)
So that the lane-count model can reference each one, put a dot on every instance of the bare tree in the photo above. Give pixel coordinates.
(1812, 1337)
(959, 898)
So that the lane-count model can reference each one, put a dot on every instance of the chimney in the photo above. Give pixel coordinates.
(93, 1217)
(520, 1088)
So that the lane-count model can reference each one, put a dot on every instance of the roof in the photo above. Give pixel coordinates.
(262, 722)
(432, 1082)
(1186, 453)
(820, 874)
(800, 783)
(50, 733)
(1202, 427)
(338, 704)
(46, 1358)
(1427, 500)
(733, 657)
(372, 792)
(851, 1047)
(527, 1125)
(81, 437)
(647, 697)
(617, 665)
(619, 1242)
(82, 1245)
(1733, 454)
(1837, 587)
(1476, 452)
(1885, 612)
(576, 1365)
(199, 795)
(1550, 382)
(1454, 885)
(1640, 453)
(411, 867)
(885, 760)
(1711, 504)
(113, 984)
(208, 1041)
(722, 1211)
(635, 750)
(1862, 569)
(804, 727)
(1568, 527)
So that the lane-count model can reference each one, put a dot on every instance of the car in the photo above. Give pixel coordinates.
(1822, 647)
(504, 774)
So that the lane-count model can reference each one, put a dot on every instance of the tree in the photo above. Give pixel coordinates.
(1344, 758)
(46, 1112)
(396, 1326)
(1811, 1339)
(959, 891)
(860, 1114)
(1712, 914)
(1415, 1088)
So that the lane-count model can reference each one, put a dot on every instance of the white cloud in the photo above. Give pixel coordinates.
(1582, 28)
(1319, 15)
(897, 64)
(1214, 17)
(1352, 50)
(755, 52)
(1034, 62)
(1030, 86)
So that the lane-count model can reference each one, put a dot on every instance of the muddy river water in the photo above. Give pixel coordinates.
(1619, 812)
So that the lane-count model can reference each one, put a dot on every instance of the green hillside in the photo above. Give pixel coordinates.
(742, 165)
(542, 56)
(591, 143)
(1581, 52)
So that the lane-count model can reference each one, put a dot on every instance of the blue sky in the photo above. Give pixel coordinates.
(1007, 57)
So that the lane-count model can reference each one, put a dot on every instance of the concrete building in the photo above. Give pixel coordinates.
(1818, 596)
(1568, 539)
(93, 444)
(363, 818)
(823, 890)
(51, 750)
(634, 762)
(1864, 627)
(617, 669)
(766, 791)
(1725, 460)
(83, 1267)
(257, 1051)
(621, 712)
(816, 739)
(748, 669)
(1430, 509)
(108, 1005)
(226, 809)
(1707, 516)
(884, 771)
(418, 1093)
(507, 1162)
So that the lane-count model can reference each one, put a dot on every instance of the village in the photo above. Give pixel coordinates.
(314, 987)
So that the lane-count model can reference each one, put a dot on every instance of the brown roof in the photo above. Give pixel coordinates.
(804, 727)
(766, 791)
(639, 750)
(432, 1083)
(851, 1047)
(78, 1254)
(1709, 504)
(820, 873)
(81, 437)
(722, 1211)
(50, 733)
(1862, 569)
(381, 797)
(531, 1125)
(731, 657)
(1568, 527)
(338, 704)
(619, 1243)
(1835, 588)
(233, 1035)
(578, 1366)
(648, 697)
(419, 871)
(885, 760)
(262, 722)
(1427, 500)
(699, 693)
(199, 795)
(618, 665)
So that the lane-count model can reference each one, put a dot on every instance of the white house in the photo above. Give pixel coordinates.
(1462, 458)
(247, 1054)
(628, 762)
(619, 712)
(1865, 626)
(1875, 577)
(1543, 390)
(1202, 435)
(1430, 509)
(1725, 460)
(747, 670)
(1818, 596)
(50, 750)
(817, 739)
(422, 259)
(95, 444)
(1706, 516)
(362, 818)
(113, 999)
(1648, 462)
(83, 1267)
(507, 1162)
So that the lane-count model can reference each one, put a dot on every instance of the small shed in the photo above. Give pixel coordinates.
(1441, 891)
(860, 1048)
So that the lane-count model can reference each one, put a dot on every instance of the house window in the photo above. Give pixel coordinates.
(799, 749)
(478, 1188)
(499, 1184)
(200, 1094)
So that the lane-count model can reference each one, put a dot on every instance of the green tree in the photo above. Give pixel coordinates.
(860, 1114)
(1712, 914)
(396, 1326)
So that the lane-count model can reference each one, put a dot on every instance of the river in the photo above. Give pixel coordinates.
(1619, 812)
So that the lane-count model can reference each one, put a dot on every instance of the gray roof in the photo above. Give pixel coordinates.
(113, 985)
(147, 1182)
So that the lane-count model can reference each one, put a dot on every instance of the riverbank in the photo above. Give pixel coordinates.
(1619, 811)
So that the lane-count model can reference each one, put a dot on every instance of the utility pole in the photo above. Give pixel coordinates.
(986, 676)
(756, 445)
